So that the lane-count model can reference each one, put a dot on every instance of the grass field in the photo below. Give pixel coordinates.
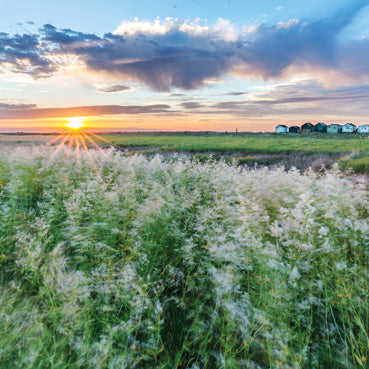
(114, 261)
(249, 143)
(351, 151)
(302, 151)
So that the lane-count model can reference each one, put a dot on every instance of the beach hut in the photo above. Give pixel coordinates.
(364, 128)
(334, 128)
(307, 128)
(281, 129)
(294, 129)
(349, 128)
(320, 127)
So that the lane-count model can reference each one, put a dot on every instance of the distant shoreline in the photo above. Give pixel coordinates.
(181, 133)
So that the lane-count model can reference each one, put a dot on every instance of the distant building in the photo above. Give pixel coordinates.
(294, 129)
(364, 128)
(349, 128)
(307, 128)
(281, 129)
(334, 128)
(320, 127)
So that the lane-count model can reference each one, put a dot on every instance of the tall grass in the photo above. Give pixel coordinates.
(145, 263)
(357, 161)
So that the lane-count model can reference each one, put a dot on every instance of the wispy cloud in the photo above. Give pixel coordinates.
(113, 88)
(236, 93)
(191, 105)
(297, 98)
(14, 107)
(24, 111)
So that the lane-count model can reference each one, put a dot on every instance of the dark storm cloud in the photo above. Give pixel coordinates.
(8, 111)
(164, 69)
(113, 88)
(299, 43)
(174, 59)
(180, 57)
(184, 60)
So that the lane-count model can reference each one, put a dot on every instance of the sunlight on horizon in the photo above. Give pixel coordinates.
(75, 123)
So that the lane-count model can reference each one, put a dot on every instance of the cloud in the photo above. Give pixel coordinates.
(113, 88)
(191, 105)
(341, 96)
(299, 44)
(308, 91)
(236, 93)
(23, 111)
(66, 36)
(181, 54)
(306, 98)
(21, 54)
(295, 99)
(12, 107)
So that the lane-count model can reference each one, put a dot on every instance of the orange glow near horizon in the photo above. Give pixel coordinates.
(75, 123)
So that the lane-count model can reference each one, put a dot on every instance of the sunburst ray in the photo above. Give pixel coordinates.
(102, 139)
(57, 138)
(90, 158)
(69, 147)
(78, 155)
(58, 148)
(87, 136)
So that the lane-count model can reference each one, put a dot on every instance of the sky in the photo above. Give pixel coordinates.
(194, 65)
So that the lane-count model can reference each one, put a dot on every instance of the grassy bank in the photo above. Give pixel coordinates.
(130, 262)
(357, 161)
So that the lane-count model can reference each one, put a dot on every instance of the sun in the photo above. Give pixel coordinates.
(75, 123)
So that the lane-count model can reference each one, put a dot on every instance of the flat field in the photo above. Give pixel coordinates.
(350, 151)
(301, 151)
(111, 260)
(249, 143)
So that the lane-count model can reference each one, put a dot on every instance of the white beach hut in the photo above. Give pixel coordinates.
(364, 128)
(281, 129)
(349, 128)
(334, 128)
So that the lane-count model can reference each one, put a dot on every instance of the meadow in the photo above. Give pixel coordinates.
(118, 260)
(246, 142)
(302, 151)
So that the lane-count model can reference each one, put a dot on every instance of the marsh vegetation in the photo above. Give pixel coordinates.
(140, 262)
